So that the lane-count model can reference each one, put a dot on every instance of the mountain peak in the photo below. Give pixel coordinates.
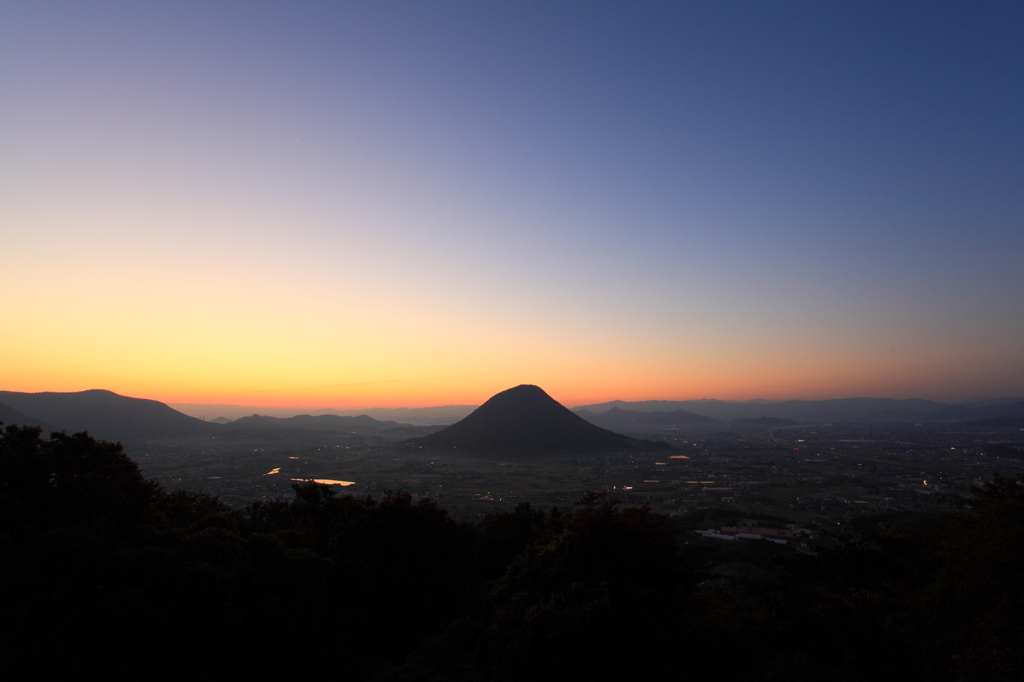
(525, 418)
(523, 396)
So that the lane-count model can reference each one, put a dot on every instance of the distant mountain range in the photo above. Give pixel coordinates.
(257, 425)
(110, 416)
(801, 411)
(526, 419)
(633, 421)
(818, 411)
(619, 419)
(419, 416)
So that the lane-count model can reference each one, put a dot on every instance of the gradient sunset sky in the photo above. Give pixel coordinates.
(405, 204)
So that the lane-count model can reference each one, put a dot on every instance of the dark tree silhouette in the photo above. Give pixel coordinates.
(103, 571)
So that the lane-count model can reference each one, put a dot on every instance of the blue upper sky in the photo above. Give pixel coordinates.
(817, 199)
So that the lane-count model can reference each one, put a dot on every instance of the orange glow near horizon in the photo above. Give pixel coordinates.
(280, 347)
(570, 389)
(318, 338)
(274, 372)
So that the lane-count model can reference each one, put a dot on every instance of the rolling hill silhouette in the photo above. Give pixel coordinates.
(526, 419)
(105, 414)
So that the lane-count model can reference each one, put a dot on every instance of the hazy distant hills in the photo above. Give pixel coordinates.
(305, 422)
(817, 411)
(418, 416)
(257, 425)
(618, 419)
(104, 414)
(626, 420)
(526, 419)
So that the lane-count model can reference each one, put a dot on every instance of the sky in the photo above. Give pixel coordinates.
(407, 204)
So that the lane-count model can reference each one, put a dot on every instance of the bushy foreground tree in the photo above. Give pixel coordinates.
(102, 570)
(592, 595)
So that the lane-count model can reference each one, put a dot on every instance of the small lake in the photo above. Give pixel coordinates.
(326, 481)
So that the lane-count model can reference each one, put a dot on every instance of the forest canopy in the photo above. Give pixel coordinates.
(103, 570)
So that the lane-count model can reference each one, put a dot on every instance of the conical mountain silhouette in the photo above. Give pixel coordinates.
(525, 418)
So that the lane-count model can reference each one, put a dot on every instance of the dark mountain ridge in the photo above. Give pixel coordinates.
(105, 414)
(526, 419)
(110, 416)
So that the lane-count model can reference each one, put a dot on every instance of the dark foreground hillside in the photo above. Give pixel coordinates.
(101, 570)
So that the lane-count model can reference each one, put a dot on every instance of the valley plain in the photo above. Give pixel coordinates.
(820, 476)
